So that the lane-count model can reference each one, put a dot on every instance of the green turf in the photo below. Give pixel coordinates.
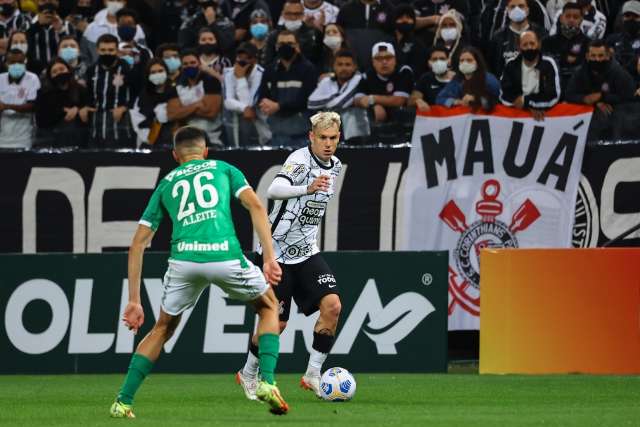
(381, 399)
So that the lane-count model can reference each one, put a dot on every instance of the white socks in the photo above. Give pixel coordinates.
(251, 367)
(316, 359)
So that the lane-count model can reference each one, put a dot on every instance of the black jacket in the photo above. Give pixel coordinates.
(311, 45)
(561, 49)
(616, 84)
(289, 87)
(548, 87)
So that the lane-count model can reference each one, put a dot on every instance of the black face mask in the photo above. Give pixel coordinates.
(107, 60)
(7, 9)
(599, 67)
(209, 49)
(530, 54)
(286, 52)
(631, 27)
(242, 63)
(569, 32)
(405, 27)
(62, 79)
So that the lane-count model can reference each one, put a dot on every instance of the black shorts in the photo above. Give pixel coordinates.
(307, 282)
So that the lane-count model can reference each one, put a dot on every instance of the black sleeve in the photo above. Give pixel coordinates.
(265, 91)
(576, 89)
(549, 93)
(91, 100)
(403, 82)
(624, 88)
(211, 86)
(510, 88)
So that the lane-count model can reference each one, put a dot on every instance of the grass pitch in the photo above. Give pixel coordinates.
(381, 399)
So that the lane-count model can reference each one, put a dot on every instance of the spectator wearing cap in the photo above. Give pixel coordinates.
(105, 22)
(286, 86)
(209, 14)
(309, 38)
(240, 12)
(433, 81)
(387, 87)
(259, 30)
(594, 22)
(473, 86)
(569, 45)
(367, 14)
(196, 99)
(109, 84)
(603, 83)
(246, 124)
(505, 42)
(449, 34)
(18, 91)
(69, 52)
(530, 81)
(409, 49)
(46, 30)
(336, 92)
(626, 44)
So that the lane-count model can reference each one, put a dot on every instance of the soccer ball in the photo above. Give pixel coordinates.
(337, 385)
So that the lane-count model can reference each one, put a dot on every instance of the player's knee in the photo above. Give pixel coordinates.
(330, 306)
(283, 326)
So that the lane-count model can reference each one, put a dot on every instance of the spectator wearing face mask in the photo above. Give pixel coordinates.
(12, 19)
(430, 12)
(473, 86)
(505, 42)
(240, 12)
(530, 81)
(259, 30)
(196, 100)
(81, 15)
(105, 22)
(149, 114)
(569, 45)
(127, 28)
(18, 91)
(387, 87)
(449, 34)
(46, 30)
(109, 86)
(69, 52)
(207, 14)
(594, 22)
(496, 17)
(409, 49)
(284, 91)
(430, 84)
(604, 84)
(58, 106)
(212, 61)
(309, 38)
(334, 40)
(626, 44)
(246, 125)
(170, 54)
(19, 41)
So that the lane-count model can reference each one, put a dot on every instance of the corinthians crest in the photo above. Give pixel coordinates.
(487, 232)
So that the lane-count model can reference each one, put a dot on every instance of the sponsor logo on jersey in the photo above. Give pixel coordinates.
(190, 169)
(196, 246)
(327, 279)
(312, 213)
(293, 171)
(294, 251)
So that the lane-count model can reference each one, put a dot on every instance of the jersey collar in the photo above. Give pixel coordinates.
(318, 161)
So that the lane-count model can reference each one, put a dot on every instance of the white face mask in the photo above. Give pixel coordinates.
(449, 34)
(114, 7)
(292, 25)
(517, 15)
(332, 42)
(158, 78)
(467, 68)
(22, 47)
(439, 66)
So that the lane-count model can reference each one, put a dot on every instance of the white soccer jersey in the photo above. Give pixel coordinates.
(295, 221)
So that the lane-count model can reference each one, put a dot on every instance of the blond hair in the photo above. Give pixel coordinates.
(324, 120)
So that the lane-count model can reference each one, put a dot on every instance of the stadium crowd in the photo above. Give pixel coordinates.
(127, 73)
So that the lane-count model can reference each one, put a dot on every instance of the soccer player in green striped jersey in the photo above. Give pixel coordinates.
(204, 250)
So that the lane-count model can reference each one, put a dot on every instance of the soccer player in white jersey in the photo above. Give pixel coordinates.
(204, 250)
(302, 190)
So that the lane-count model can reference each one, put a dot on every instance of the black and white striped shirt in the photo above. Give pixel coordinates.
(109, 87)
(44, 40)
(17, 22)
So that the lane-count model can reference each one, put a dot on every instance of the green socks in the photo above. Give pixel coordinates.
(268, 348)
(139, 368)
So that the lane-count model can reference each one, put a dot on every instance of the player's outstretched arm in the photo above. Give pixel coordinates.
(133, 315)
(252, 203)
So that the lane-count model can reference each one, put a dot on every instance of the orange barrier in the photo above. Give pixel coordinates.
(560, 311)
